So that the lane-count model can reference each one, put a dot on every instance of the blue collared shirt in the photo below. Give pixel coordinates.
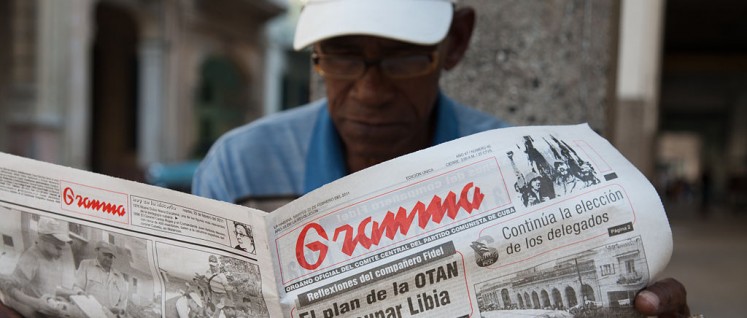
(294, 152)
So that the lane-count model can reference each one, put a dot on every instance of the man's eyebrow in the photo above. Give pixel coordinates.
(404, 47)
(339, 45)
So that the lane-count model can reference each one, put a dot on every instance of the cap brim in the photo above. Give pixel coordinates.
(62, 237)
(108, 252)
(423, 22)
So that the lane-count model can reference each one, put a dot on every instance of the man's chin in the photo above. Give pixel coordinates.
(375, 153)
(374, 133)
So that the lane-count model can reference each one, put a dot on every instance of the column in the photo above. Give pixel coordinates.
(151, 101)
(78, 84)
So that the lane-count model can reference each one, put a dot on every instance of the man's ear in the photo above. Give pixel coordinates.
(459, 36)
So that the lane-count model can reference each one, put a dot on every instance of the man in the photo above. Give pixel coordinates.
(99, 279)
(40, 273)
(383, 101)
(565, 181)
(244, 238)
(381, 62)
(535, 193)
(216, 276)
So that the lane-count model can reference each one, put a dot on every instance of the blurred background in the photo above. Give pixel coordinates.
(140, 89)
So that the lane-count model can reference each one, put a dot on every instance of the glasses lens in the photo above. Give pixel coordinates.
(352, 67)
(340, 66)
(407, 66)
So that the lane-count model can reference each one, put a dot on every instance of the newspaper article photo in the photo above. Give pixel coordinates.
(243, 237)
(600, 282)
(204, 284)
(547, 168)
(56, 268)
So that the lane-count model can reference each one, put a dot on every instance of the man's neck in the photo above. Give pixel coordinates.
(357, 163)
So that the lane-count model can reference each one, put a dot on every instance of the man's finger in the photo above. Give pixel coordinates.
(665, 298)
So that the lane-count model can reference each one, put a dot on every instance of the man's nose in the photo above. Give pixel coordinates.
(373, 88)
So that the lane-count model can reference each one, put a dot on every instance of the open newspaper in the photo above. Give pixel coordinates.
(546, 221)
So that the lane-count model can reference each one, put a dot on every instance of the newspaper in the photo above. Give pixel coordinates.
(546, 221)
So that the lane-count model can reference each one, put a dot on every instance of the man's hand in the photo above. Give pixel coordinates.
(50, 308)
(666, 298)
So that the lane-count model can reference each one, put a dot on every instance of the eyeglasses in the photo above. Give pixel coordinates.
(353, 67)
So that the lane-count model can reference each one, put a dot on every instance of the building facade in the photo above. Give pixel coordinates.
(607, 276)
(115, 85)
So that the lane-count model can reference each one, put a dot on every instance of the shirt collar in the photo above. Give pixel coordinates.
(325, 161)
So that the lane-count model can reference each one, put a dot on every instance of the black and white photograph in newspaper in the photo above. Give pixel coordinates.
(51, 267)
(243, 237)
(204, 284)
(599, 282)
(546, 168)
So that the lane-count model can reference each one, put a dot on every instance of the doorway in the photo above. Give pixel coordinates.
(114, 108)
(703, 97)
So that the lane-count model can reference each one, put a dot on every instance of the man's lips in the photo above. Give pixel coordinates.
(374, 122)
(374, 127)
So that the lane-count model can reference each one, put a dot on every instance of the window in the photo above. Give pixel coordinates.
(76, 229)
(8, 240)
(607, 269)
(630, 266)
(134, 282)
(108, 237)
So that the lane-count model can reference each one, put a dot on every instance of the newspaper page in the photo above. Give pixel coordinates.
(77, 244)
(544, 221)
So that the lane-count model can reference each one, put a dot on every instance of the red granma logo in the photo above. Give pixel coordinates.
(388, 227)
(87, 203)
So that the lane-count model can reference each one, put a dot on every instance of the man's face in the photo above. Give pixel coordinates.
(379, 117)
(240, 234)
(105, 259)
(535, 184)
(51, 247)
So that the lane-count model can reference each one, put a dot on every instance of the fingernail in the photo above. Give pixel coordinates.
(650, 298)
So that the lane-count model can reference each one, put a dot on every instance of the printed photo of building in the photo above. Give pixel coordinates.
(604, 277)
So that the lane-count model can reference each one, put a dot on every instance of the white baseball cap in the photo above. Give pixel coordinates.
(423, 22)
(47, 226)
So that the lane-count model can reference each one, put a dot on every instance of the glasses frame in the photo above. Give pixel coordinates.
(432, 55)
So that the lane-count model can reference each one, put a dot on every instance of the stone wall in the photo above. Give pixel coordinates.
(540, 62)
(535, 62)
